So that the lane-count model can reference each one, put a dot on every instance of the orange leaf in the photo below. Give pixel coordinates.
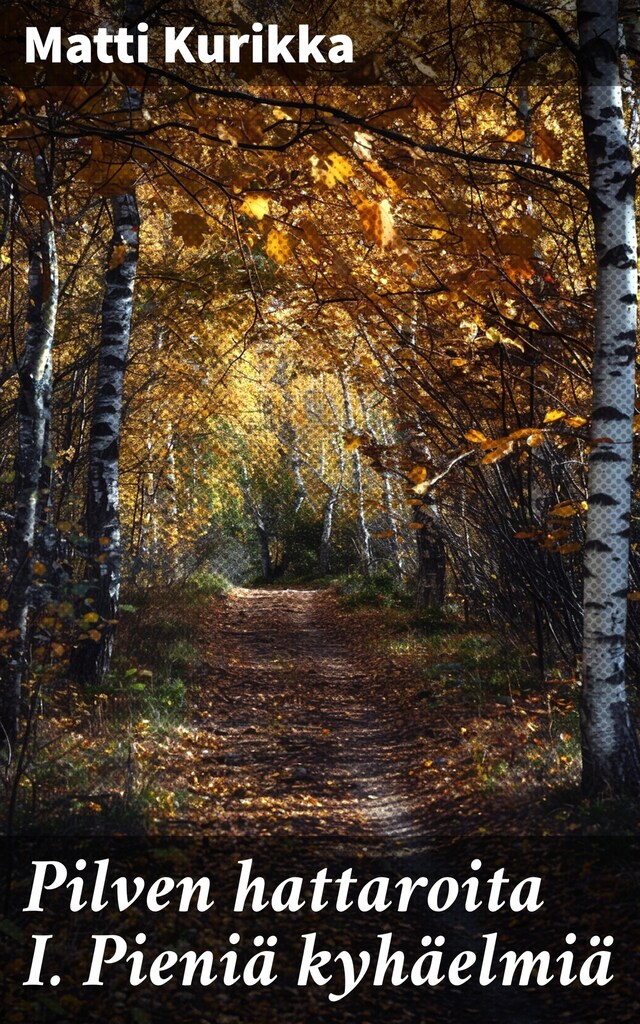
(118, 256)
(548, 146)
(377, 221)
(190, 227)
(417, 475)
(279, 246)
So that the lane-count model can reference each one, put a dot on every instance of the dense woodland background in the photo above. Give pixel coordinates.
(339, 324)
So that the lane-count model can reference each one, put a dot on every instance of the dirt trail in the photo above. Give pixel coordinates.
(298, 729)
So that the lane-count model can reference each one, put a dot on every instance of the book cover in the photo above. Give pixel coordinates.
(318, 511)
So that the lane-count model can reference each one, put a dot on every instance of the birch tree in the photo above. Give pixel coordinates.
(34, 413)
(611, 759)
(364, 536)
(93, 657)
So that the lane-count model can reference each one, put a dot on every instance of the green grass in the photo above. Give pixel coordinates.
(380, 590)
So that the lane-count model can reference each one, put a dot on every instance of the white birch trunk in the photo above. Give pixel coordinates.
(103, 492)
(34, 412)
(92, 658)
(356, 465)
(611, 761)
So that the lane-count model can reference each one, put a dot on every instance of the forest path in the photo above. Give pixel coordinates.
(298, 726)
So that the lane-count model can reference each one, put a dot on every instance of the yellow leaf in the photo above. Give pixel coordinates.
(422, 488)
(575, 421)
(475, 437)
(518, 435)
(504, 446)
(517, 135)
(91, 617)
(279, 246)
(459, 362)
(255, 206)
(352, 442)
(4, 605)
(331, 169)
(494, 335)
(39, 569)
(554, 415)
(225, 135)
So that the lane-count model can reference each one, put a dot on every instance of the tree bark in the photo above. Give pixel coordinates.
(261, 530)
(611, 758)
(430, 589)
(93, 657)
(364, 536)
(34, 411)
(327, 531)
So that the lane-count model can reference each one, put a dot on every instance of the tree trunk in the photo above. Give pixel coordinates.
(364, 537)
(611, 758)
(327, 530)
(34, 411)
(430, 589)
(93, 657)
(261, 530)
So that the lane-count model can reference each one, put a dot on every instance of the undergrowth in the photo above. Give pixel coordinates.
(512, 738)
(381, 589)
(87, 768)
